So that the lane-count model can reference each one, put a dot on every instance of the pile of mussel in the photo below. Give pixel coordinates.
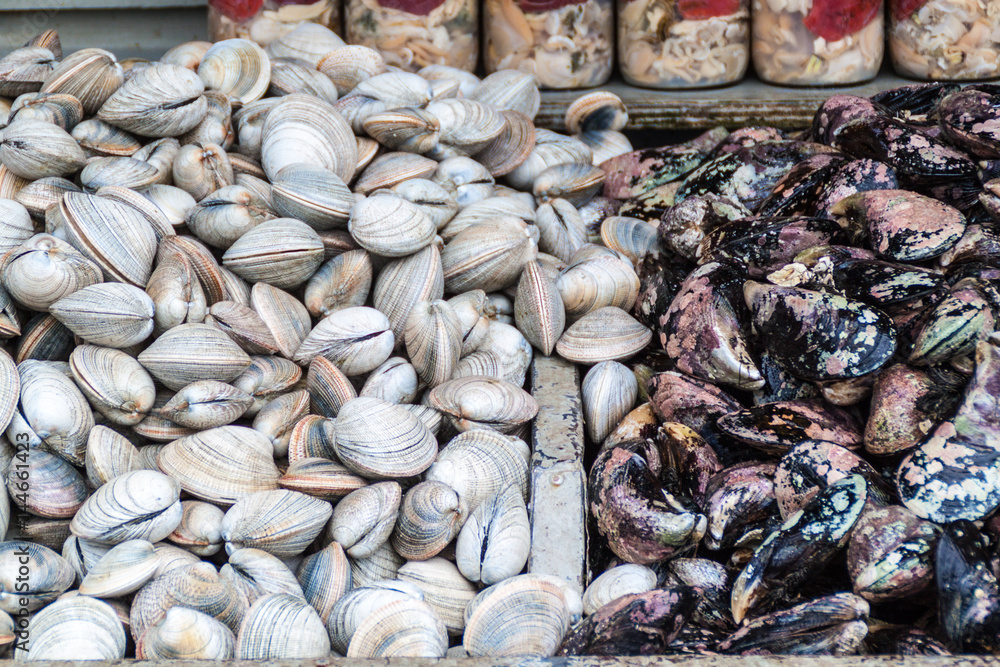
(268, 316)
(814, 464)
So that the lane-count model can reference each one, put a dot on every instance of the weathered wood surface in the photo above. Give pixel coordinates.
(750, 102)
(558, 481)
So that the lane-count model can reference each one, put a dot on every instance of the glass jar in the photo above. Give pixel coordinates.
(945, 39)
(563, 44)
(264, 21)
(411, 34)
(683, 43)
(817, 42)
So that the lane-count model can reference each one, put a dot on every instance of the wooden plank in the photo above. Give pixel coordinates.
(558, 481)
(142, 34)
(750, 102)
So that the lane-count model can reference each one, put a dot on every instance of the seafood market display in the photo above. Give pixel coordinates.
(413, 34)
(953, 40)
(561, 43)
(264, 21)
(817, 42)
(267, 316)
(683, 44)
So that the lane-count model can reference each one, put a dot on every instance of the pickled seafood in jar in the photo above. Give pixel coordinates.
(412, 34)
(683, 43)
(945, 39)
(562, 43)
(264, 21)
(817, 42)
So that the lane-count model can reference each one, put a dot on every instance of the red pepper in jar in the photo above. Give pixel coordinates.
(835, 19)
(901, 9)
(237, 10)
(706, 9)
(417, 7)
(535, 6)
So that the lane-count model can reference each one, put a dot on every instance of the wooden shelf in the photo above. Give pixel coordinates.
(750, 102)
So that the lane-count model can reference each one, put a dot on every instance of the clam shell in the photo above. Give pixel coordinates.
(378, 440)
(435, 201)
(124, 569)
(391, 169)
(487, 257)
(15, 223)
(177, 294)
(115, 236)
(624, 579)
(280, 522)
(191, 352)
(196, 586)
(599, 110)
(307, 42)
(550, 149)
(290, 77)
(411, 130)
(356, 339)
(160, 101)
(606, 334)
(365, 518)
(109, 314)
(265, 378)
(325, 577)
(226, 214)
(312, 194)
(277, 419)
(484, 403)
(479, 464)
(561, 229)
(433, 337)
(104, 139)
(24, 70)
(109, 454)
(348, 66)
(538, 308)
(342, 282)
(50, 575)
(54, 489)
(237, 67)
(405, 628)
(376, 569)
(186, 634)
(358, 604)
(597, 282)
(632, 237)
(444, 588)
(509, 89)
(200, 529)
(404, 282)
(467, 126)
(77, 628)
(511, 147)
(285, 316)
(493, 544)
(395, 381)
(142, 504)
(282, 252)
(306, 129)
(243, 325)
(328, 387)
(89, 75)
(201, 169)
(609, 390)
(206, 404)
(43, 269)
(256, 573)
(430, 516)
(53, 410)
(35, 149)
(576, 182)
(58, 109)
(321, 478)
(222, 464)
(115, 383)
(525, 615)
(605, 144)
(391, 226)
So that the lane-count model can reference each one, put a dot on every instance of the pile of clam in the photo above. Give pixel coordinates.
(268, 318)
